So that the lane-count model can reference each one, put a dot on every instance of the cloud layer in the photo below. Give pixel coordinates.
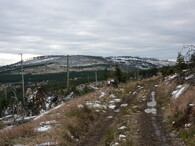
(147, 28)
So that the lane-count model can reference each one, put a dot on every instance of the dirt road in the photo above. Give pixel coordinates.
(145, 125)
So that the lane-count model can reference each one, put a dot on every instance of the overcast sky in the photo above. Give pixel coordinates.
(145, 28)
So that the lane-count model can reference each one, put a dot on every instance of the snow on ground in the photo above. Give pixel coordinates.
(187, 125)
(95, 104)
(103, 102)
(124, 105)
(112, 96)
(172, 77)
(109, 117)
(189, 77)
(43, 128)
(15, 118)
(122, 127)
(122, 136)
(191, 104)
(47, 144)
(115, 144)
(111, 106)
(46, 112)
(102, 94)
(180, 89)
(48, 122)
(151, 105)
(150, 110)
(6, 117)
(80, 106)
(117, 100)
(93, 87)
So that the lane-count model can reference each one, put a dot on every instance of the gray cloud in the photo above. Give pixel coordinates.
(145, 28)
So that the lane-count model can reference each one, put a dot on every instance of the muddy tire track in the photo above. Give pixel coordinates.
(152, 129)
(96, 134)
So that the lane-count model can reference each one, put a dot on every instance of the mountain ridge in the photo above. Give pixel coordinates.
(59, 62)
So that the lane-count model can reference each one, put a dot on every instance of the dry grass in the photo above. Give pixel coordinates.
(180, 104)
(20, 131)
(177, 112)
(71, 123)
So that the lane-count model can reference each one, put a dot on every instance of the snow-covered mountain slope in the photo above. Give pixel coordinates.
(141, 63)
(53, 64)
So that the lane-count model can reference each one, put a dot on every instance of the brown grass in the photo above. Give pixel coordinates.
(20, 131)
(72, 123)
(181, 104)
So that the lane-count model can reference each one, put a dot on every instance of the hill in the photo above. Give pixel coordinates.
(56, 64)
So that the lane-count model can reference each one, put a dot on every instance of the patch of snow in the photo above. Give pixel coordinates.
(69, 96)
(189, 77)
(93, 87)
(152, 103)
(73, 137)
(102, 94)
(6, 117)
(30, 118)
(47, 144)
(174, 92)
(179, 86)
(43, 128)
(80, 106)
(185, 70)
(112, 96)
(42, 114)
(109, 117)
(122, 136)
(117, 100)
(95, 105)
(48, 122)
(150, 110)
(112, 101)
(188, 125)
(124, 105)
(180, 90)
(123, 127)
(111, 106)
(117, 111)
(172, 77)
(191, 104)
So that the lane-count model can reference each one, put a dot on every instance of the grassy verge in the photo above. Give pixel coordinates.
(179, 116)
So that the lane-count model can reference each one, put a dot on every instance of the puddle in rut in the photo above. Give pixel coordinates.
(151, 104)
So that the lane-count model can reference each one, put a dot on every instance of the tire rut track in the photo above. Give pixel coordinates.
(96, 134)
